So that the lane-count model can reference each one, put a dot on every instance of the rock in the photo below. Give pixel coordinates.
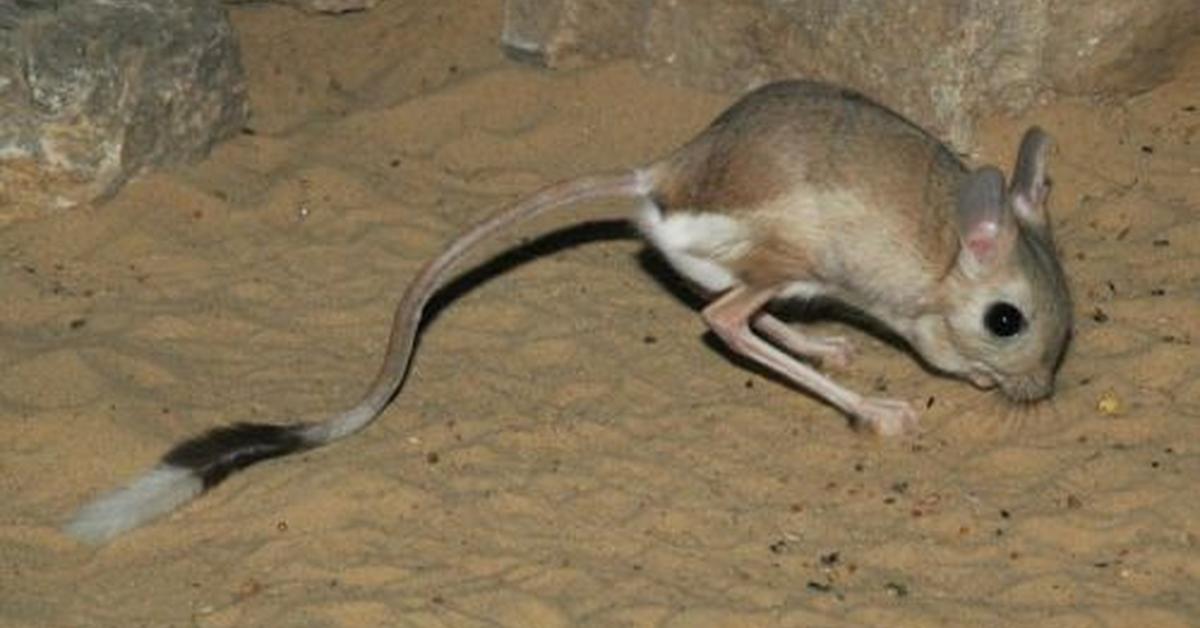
(93, 92)
(317, 6)
(942, 63)
(1115, 48)
(558, 33)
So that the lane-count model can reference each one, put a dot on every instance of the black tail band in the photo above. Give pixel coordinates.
(216, 454)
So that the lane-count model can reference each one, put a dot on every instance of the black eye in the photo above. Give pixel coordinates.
(1004, 320)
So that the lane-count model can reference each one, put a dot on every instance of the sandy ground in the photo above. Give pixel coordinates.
(569, 449)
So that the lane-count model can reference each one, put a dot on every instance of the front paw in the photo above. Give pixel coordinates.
(834, 352)
(885, 417)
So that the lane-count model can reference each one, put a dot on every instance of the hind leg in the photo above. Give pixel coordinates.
(834, 351)
(730, 318)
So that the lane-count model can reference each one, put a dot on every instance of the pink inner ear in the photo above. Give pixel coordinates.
(981, 247)
(981, 242)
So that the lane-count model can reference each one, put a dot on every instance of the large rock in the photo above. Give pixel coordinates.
(1112, 47)
(942, 62)
(92, 92)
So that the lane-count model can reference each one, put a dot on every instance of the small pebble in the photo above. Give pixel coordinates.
(1109, 403)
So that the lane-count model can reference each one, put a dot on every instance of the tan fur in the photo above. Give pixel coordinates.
(769, 160)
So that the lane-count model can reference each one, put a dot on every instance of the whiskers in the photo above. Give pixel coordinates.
(1025, 419)
(991, 415)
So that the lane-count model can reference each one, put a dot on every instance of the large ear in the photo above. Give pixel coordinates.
(986, 228)
(1029, 184)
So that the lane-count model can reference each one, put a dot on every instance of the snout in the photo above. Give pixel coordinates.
(1028, 388)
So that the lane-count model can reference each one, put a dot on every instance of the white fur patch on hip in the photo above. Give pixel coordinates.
(699, 246)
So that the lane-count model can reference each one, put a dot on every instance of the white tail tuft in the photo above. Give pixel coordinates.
(154, 493)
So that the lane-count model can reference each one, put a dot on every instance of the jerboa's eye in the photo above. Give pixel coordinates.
(1004, 320)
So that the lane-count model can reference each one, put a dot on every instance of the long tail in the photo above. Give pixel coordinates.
(200, 463)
